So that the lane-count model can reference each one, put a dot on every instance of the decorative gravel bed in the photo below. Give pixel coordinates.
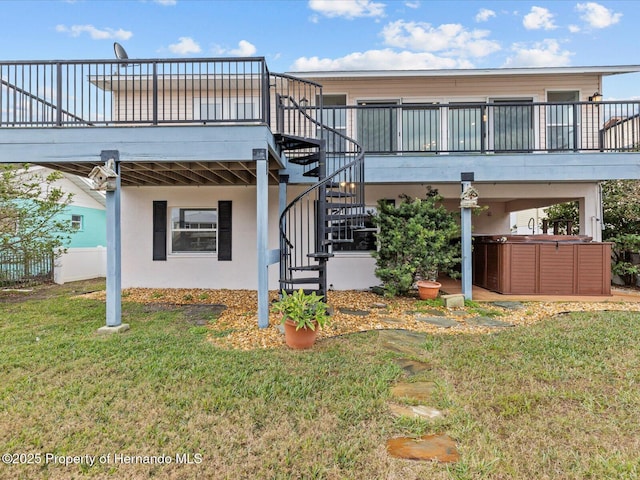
(353, 311)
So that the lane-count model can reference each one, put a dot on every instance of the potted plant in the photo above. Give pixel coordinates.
(303, 313)
(428, 289)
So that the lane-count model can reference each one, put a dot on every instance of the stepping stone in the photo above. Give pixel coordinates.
(433, 311)
(441, 448)
(391, 320)
(402, 341)
(411, 367)
(405, 336)
(359, 313)
(379, 306)
(509, 305)
(417, 391)
(441, 322)
(414, 411)
(486, 322)
(377, 290)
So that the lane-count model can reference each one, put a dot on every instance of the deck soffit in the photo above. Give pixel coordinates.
(177, 173)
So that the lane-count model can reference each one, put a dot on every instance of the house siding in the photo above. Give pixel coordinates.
(94, 227)
(417, 88)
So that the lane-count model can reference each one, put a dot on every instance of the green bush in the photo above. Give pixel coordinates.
(417, 240)
(624, 246)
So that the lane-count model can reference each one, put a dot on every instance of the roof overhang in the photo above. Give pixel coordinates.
(359, 74)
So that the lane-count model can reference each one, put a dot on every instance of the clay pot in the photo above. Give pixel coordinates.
(427, 289)
(300, 339)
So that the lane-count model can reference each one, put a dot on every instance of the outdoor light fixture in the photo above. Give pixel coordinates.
(596, 97)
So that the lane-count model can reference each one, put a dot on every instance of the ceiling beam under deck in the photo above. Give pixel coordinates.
(246, 179)
(206, 177)
(223, 175)
(179, 176)
(79, 169)
(176, 173)
(142, 178)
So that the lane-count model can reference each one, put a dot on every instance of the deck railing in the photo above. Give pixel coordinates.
(222, 90)
(505, 127)
(129, 92)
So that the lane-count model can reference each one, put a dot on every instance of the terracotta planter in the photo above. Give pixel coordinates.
(428, 290)
(299, 339)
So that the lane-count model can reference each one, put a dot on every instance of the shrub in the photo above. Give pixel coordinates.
(417, 240)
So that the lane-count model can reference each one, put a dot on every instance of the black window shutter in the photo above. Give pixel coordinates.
(159, 230)
(224, 230)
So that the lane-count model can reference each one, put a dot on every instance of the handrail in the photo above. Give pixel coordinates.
(128, 92)
(493, 127)
(301, 244)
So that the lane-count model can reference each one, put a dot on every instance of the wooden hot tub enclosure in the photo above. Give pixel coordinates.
(542, 264)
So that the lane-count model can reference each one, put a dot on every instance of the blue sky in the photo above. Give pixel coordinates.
(302, 35)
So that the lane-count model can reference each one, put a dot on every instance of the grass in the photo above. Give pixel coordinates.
(554, 400)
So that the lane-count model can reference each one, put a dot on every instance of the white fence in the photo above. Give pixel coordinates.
(80, 264)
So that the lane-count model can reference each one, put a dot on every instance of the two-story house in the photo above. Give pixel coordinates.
(222, 168)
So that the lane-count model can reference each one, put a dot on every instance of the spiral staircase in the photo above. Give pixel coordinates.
(329, 211)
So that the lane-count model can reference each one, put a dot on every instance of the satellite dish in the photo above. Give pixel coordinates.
(121, 53)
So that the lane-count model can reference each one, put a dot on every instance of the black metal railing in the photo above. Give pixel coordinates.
(150, 92)
(223, 90)
(505, 127)
(332, 208)
(25, 270)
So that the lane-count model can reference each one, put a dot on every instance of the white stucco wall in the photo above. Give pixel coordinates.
(345, 270)
(194, 270)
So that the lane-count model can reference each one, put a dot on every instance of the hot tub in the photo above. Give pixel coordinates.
(542, 264)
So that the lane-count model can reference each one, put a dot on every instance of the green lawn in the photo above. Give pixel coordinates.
(556, 400)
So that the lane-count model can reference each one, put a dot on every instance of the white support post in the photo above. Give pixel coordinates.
(262, 229)
(465, 231)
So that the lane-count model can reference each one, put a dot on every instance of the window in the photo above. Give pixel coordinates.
(335, 117)
(465, 128)
(378, 126)
(243, 108)
(194, 230)
(77, 222)
(562, 120)
(512, 125)
(420, 129)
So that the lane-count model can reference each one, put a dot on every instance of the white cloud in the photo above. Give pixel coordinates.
(245, 49)
(347, 8)
(484, 15)
(412, 4)
(597, 16)
(185, 46)
(574, 28)
(386, 59)
(450, 39)
(94, 33)
(538, 18)
(166, 3)
(541, 54)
